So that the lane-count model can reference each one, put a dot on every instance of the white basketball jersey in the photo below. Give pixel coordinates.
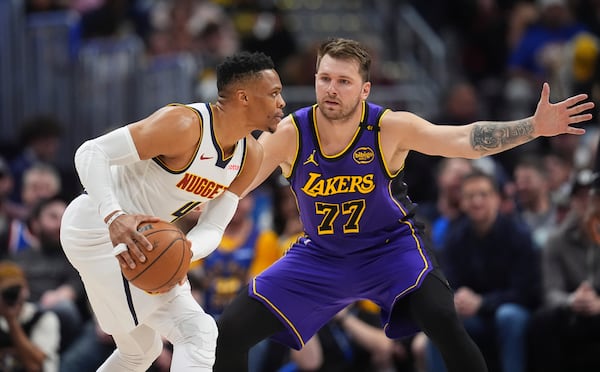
(150, 187)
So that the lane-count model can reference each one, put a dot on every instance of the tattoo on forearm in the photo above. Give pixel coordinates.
(494, 137)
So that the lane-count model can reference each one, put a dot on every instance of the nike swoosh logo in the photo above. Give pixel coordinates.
(202, 157)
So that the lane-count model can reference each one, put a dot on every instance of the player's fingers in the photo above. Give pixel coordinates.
(135, 249)
(545, 96)
(147, 218)
(117, 251)
(579, 118)
(571, 101)
(125, 256)
(576, 131)
(580, 108)
(141, 240)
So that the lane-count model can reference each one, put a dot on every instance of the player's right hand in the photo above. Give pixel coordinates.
(127, 240)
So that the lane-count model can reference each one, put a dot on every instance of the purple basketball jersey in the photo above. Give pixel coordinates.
(360, 243)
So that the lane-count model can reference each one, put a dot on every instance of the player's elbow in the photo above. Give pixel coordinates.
(82, 156)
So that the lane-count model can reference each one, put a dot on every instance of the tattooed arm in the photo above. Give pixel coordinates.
(403, 131)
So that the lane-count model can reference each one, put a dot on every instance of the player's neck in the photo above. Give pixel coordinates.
(335, 135)
(228, 127)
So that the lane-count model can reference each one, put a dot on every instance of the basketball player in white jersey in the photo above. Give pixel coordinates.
(162, 167)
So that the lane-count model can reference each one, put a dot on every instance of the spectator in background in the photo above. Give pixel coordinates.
(445, 211)
(286, 224)
(490, 261)
(36, 6)
(459, 106)
(9, 211)
(565, 333)
(29, 337)
(201, 28)
(262, 27)
(581, 71)
(40, 139)
(560, 173)
(538, 56)
(89, 350)
(225, 271)
(40, 181)
(535, 207)
(53, 282)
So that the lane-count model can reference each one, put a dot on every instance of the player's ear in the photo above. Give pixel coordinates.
(366, 89)
(242, 96)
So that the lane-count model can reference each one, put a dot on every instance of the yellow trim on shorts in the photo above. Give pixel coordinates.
(266, 300)
(414, 235)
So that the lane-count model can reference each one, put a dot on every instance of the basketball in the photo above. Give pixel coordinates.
(166, 264)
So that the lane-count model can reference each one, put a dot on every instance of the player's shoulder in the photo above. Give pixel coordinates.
(391, 118)
(287, 126)
(180, 116)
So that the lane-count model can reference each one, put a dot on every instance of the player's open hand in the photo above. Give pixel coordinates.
(127, 240)
(551, 119)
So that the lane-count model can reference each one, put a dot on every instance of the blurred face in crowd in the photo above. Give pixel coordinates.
(39, 184)
(480, 201)
(559, 171)
(6, 184)
(450, 178)
(530, 185)
(47, 226)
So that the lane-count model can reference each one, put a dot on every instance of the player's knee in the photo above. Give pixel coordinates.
(198, 339)
(155, 349)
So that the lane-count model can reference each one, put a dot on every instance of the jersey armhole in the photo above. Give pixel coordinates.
(384, 165)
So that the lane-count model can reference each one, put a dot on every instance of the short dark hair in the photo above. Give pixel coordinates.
(480, 174)
(42, 204)
(242, 66)
(347, 49)
(38, 127)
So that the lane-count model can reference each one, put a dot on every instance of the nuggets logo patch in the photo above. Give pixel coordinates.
(363, 155)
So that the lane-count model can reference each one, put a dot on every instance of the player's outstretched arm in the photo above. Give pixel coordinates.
(486, 137)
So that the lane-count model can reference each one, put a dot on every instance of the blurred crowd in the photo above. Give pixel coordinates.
(507, 228)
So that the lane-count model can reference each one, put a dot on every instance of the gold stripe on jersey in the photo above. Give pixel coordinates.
(352, 141)
(394, 199)
(278, 312)
(384, 162)
(216, 140)
(186, 166)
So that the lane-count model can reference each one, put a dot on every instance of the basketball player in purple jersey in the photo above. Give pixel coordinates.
(341, 157)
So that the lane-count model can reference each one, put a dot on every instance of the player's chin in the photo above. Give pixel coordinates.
(272, 126)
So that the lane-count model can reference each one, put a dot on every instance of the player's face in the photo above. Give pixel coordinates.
(268, 103)
(339, 88)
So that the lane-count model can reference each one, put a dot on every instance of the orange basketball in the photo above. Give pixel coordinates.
(166, 264)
